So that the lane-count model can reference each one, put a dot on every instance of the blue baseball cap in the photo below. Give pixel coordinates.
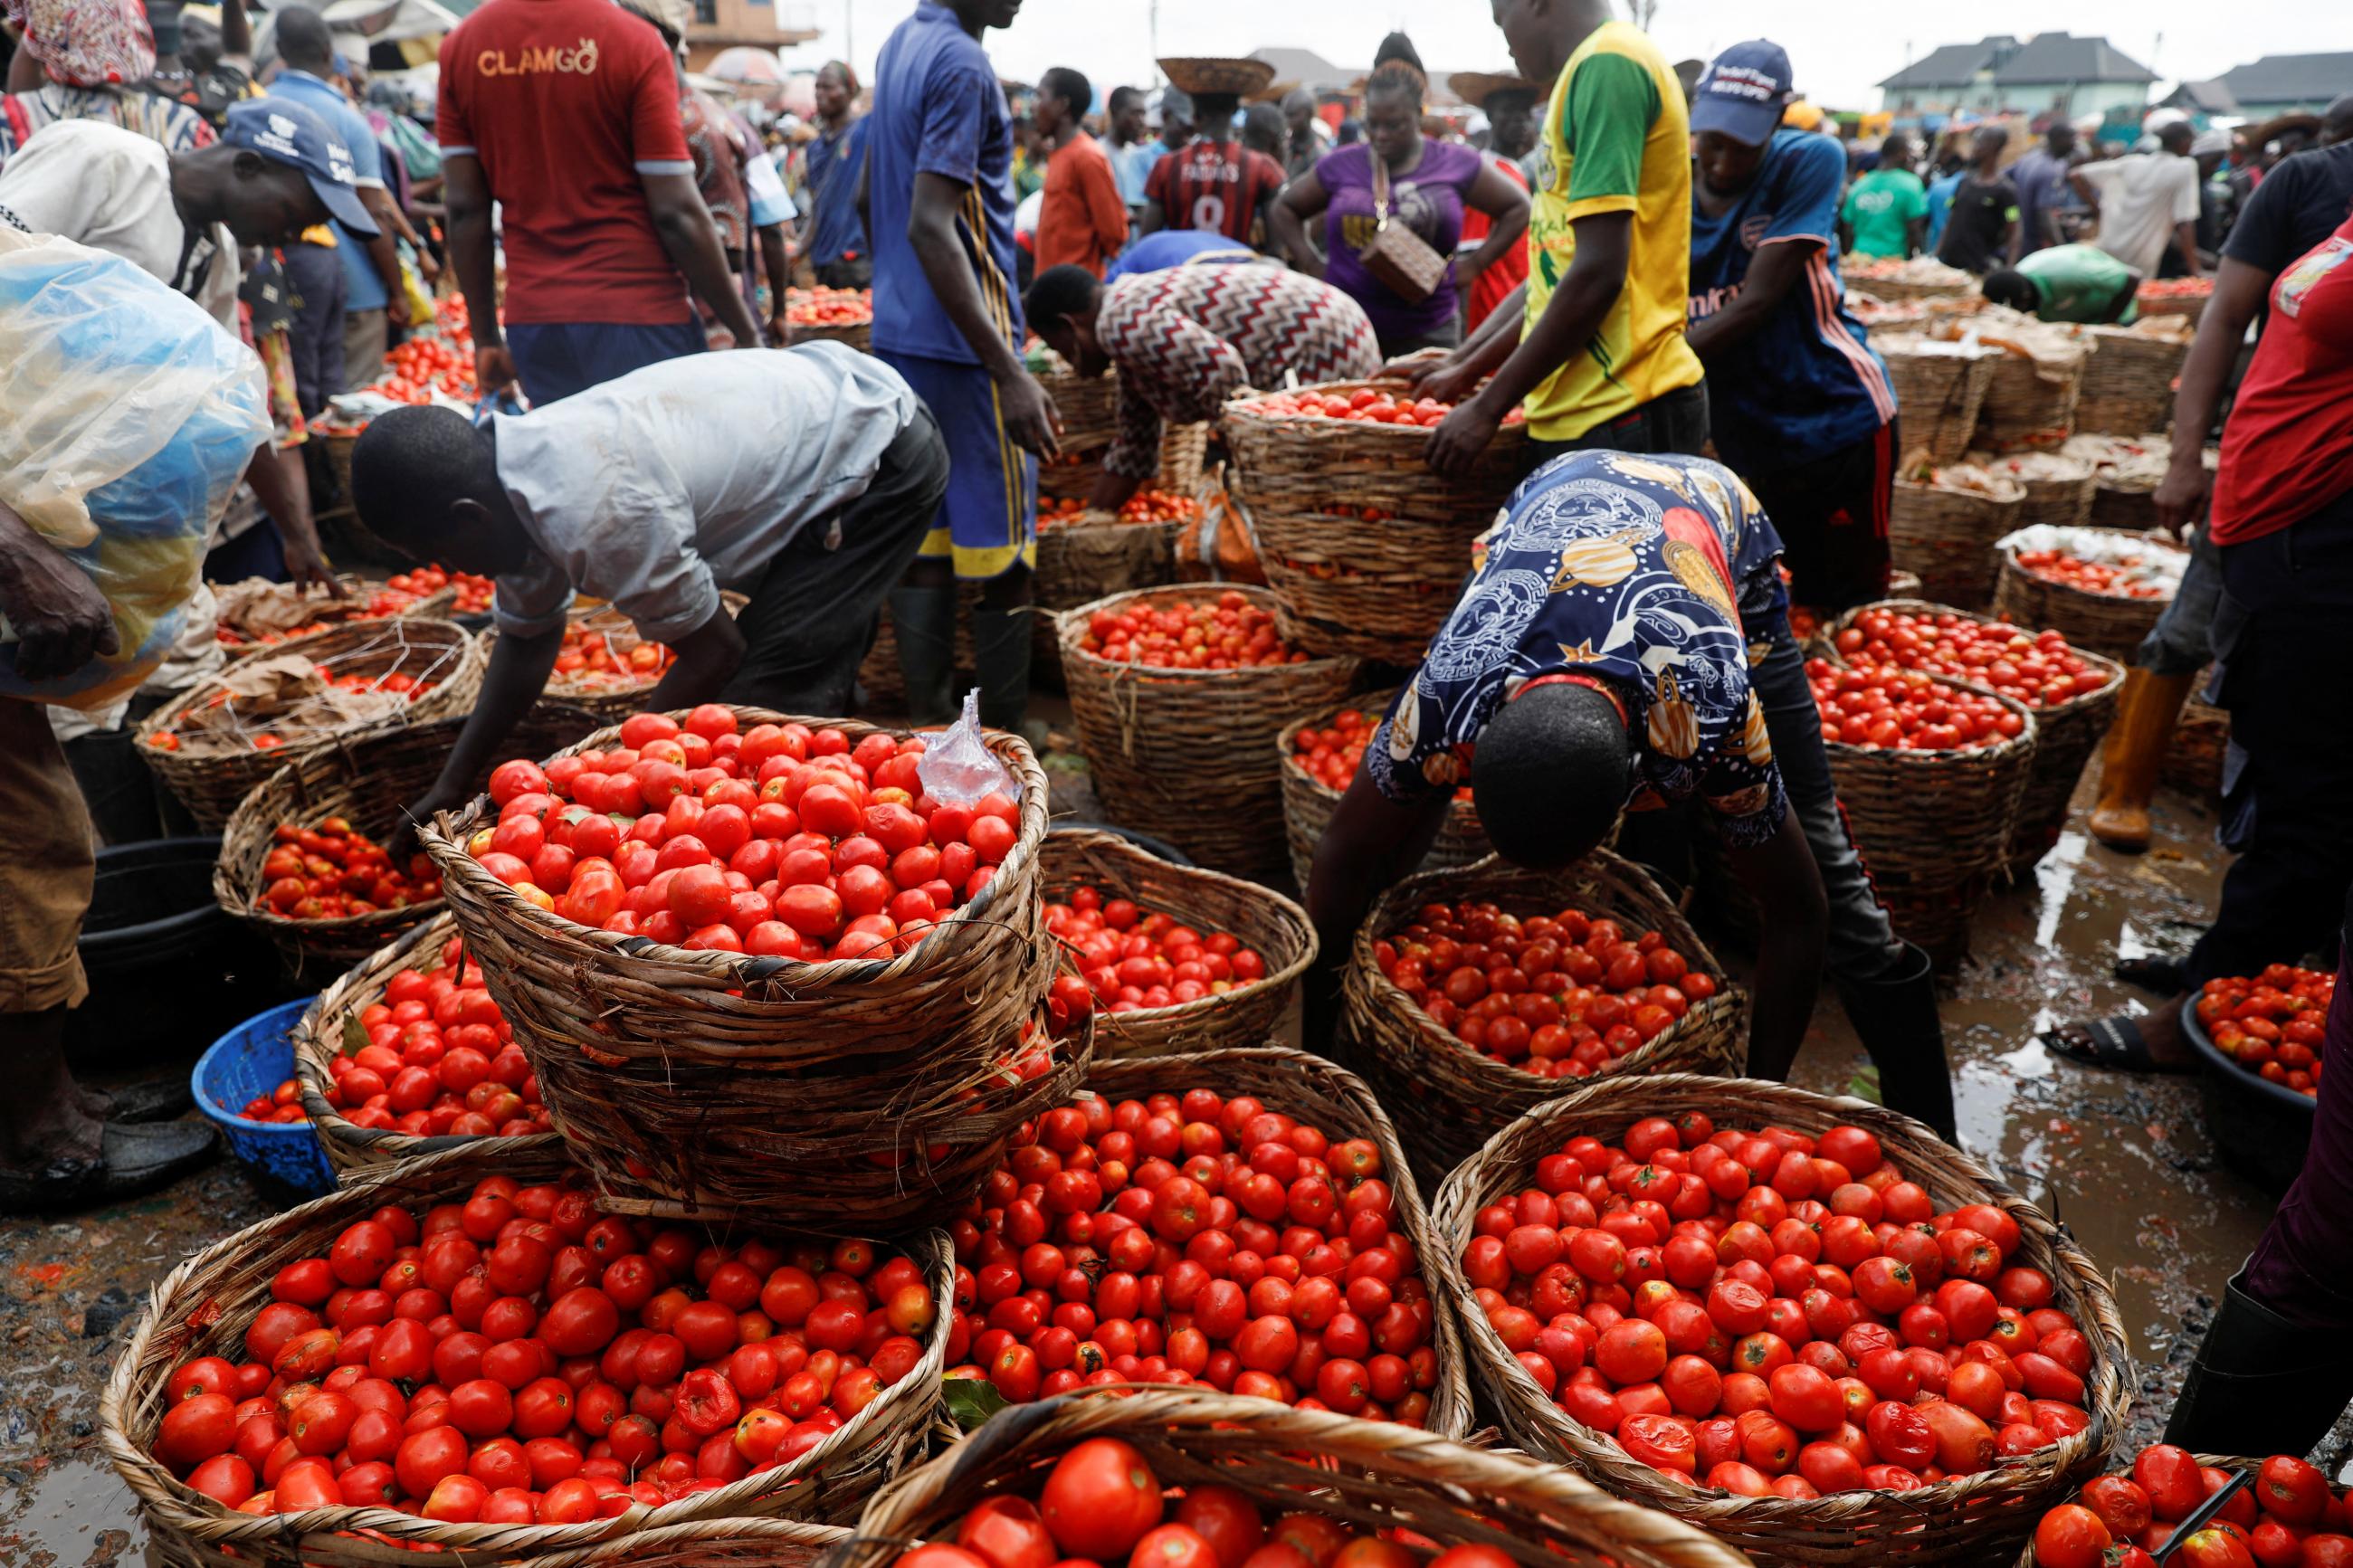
(1743, 92)
(290, 132)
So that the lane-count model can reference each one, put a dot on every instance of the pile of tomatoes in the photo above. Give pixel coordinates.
(397, 597)
(2174, 289)
(2125, 577)
(781, 841)
(519, 1359)
(1158, 506)
(1102, 1505)
(334, 871)
(588, 659)
(2037, 670)
(1769, 1313)
(2288, 1519)
(1884, 707)
(824, 307)
(284, 1103)
(1058, 512)
(1230, 634)
(1133, 958)
(1193, 1239)
(424, 582)
(407, 685)
(2273, 1024)
(1364, 406)
(1330, 756)
(1562, 995)
(440, 1060)
(421, 366)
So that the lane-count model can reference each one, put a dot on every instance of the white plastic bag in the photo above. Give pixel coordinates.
(129, 420)
(959, 768)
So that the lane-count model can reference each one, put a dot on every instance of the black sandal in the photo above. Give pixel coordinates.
(2153, 972)
(2112, 1044)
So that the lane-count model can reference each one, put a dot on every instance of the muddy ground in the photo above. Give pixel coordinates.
(2124, 1163)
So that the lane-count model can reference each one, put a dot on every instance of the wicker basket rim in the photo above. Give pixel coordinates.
(2115, 670)
(459, 642)
(1238, 407)
(1068, 621)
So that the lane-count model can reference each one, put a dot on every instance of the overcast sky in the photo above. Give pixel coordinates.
(1840, 50)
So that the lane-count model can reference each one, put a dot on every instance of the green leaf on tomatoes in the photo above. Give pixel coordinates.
(355, 1038)
(1864, 1085)
(971, 1400)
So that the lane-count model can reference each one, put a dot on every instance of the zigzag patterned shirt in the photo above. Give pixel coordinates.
(1187, 338)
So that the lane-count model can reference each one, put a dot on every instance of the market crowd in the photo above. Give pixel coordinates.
(1645, 268)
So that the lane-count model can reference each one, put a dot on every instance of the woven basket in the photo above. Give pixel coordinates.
(1073, 477)
(607, 701)
(856, 1093)
(2189, 306)
(1184, 457)
(1939, 389)
(1449, 1098)
(2104, 623)
(2128, 384)
(1361, 588)
(859, 336)
(2064, 500)
(2065, 736)
(1289, 464)
(432, 607)
(2238, 1462)
(1377, 1475)
(2131, 509)
(1342, 1105)
(710, 1543)
(878, 673)
(371, 779)
(1969, 1519)
(1264, 922)
(1947, 537)
(2202, 737)
(358, 1153)
(1185, 755)
(2030, 402)
(1308, 803)
(1089, 406)
(204, 1306)
(1079, 562)
(211, 785)
(1934, 827)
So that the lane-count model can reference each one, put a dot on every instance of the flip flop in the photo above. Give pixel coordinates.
(2112, 1044)
(2152, 971)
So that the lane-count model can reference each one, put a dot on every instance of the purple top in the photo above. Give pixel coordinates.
(1429, 201)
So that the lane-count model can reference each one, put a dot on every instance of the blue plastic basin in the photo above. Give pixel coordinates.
(250, 1060)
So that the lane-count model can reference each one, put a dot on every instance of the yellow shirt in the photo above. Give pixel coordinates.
(1616, 139)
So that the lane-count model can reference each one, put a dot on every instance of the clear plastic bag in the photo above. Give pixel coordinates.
(959, 768)
(129, 418)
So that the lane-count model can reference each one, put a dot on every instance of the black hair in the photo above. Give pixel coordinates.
(1176, 104)
(1397, 47)
(1213, 113)
(1120, 97)
(1264, 127)
(1058, 294)
(411, 466)
(303, 41)
(2008, 286)
(1068, 85)
(1549, 775)
(1352, 131)
(1397, 68)
(2177, 136)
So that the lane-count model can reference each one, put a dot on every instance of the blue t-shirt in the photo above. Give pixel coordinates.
(1940, 203)
(362, 289)
(1656, 573)
(938, 109)
(1167, 248)
(831, 170)
(1132, 165)
(1804, 384)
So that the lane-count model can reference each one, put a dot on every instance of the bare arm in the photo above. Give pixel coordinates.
(61, 620)
(693, 241)
(236, 31)
(518, 673)
(1506, 206)
(1371, 844)
(1571, 317)
(1151, 220)
(2238, 290)
(1450, 377)
(707, 657)
(279, 477)
(1029, 413)
(778, 263)
(1302, 200)
(1776, 269)
(1780, 875)
(471, 253)
(385, 254)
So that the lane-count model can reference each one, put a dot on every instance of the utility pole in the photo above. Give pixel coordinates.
(1644, 11)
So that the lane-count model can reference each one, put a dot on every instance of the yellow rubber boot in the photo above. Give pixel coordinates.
(2134, 751)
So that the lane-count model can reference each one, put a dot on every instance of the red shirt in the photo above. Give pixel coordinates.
(1507, 271)
(1213, 185)
(2287, 450)
(566, 104)
(1082, 221)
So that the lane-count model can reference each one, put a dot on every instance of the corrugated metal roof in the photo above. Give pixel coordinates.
(2291, 79)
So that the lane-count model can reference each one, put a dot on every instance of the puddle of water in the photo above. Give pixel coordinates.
(76, 1513)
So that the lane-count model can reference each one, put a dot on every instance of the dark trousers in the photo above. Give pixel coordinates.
(849, 272)
(315, 337)
(1832, 515)
(1676, 421)
(557, 359)
(813, 614)
(2286, 600)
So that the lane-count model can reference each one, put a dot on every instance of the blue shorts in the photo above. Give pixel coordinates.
(988, 521)
(557, 359)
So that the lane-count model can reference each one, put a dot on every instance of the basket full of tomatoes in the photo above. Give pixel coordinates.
(2072, 692)
(840, 315)
(1321, 754)
(1188, 1479)
(1179, 694)
(2289, 1517)
(1212, 961)
(758, 969)
(1474, 991)
(1799, 1322)
(1085, 554)
(1930, 774)
(2260, 1039)
(2104, 587)
(268, 1410)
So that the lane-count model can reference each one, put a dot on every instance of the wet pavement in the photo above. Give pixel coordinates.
(2123, 1162)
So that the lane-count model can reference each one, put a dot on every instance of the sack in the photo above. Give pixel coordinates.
(1399, 259)
(129, 421)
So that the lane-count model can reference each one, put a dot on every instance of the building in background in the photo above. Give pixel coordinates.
(722, 25)
(2273, 85)
(2050, 73)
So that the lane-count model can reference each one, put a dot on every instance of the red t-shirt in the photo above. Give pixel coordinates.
(1507, 271)
(2287, 450)
(566, 102)
(1213, 185)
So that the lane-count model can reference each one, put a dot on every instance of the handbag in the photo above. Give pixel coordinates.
(1399, 259)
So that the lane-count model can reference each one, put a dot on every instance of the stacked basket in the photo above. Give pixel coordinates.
(849, 1092)
(2058, 487)
(1945, 530)
(1364, 545)
(2030, 402)
(1308, 803)
(1966, 1520)
(1939, 389)
(2110, 623)
(1448, 1097)
(1186, 755)
(2128, 384)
